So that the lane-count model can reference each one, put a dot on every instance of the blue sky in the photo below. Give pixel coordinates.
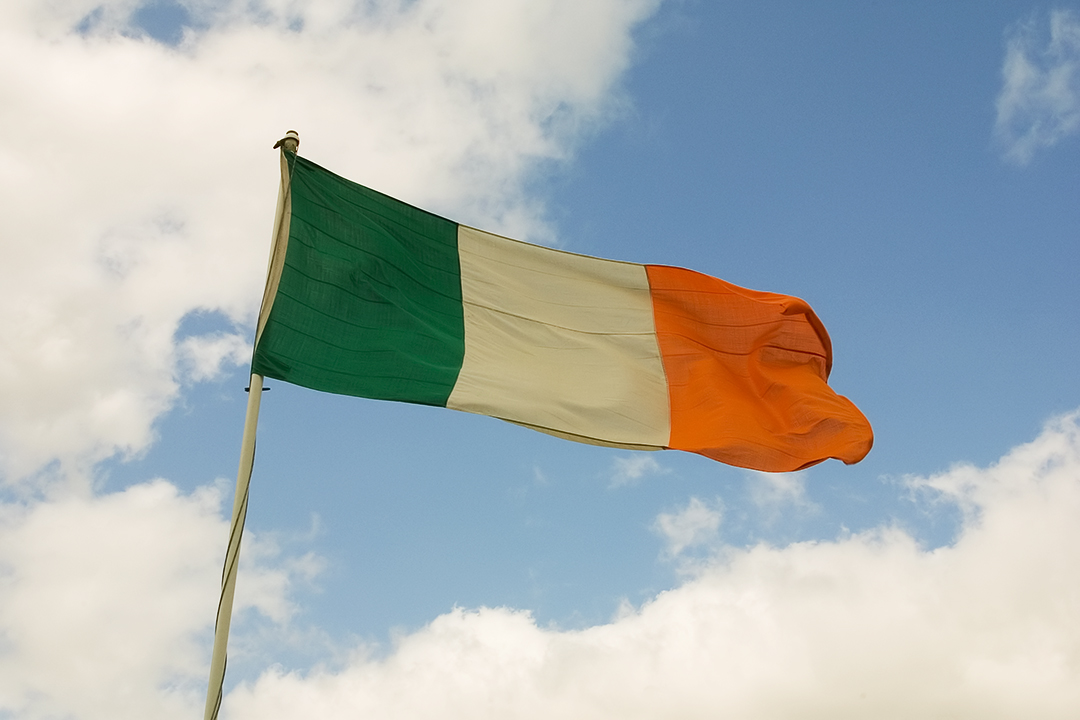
(910, 170)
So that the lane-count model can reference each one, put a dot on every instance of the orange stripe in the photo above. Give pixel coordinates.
(747, 376)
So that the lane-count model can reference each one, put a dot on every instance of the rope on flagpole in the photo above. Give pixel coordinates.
(218, 659)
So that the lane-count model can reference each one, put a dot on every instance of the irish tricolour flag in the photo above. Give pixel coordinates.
(372, 297)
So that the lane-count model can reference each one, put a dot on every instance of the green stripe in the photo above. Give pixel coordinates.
(369, 302)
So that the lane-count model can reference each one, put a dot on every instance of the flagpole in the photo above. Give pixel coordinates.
(218, 659)
(232, 554)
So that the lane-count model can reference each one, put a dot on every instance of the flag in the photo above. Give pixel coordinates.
(372, 297)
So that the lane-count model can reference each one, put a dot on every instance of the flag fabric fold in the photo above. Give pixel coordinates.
(372, 297)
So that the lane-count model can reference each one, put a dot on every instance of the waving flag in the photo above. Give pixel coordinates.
(372, 297)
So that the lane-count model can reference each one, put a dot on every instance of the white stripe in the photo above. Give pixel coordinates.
(560, 342)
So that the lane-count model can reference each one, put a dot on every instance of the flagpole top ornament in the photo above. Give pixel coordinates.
(289, 143)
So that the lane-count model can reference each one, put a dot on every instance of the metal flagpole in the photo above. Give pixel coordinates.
(289, 143)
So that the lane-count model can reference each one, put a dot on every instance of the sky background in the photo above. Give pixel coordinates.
(911, 170)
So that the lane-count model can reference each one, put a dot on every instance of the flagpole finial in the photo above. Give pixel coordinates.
(291, 142)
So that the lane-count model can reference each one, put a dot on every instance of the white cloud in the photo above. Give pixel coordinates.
(138, 181)
(632, 469)
(106, 602)
(768, 489)
(206, 354)
(773, 493)
(105, 605)
(1039, 103)
(870, 625)
(696, 524)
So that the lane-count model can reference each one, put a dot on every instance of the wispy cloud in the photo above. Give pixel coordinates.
(632, 469)
(696, 524)
(775, 493)
(1039, 103)
(770, 489)
(205, 355)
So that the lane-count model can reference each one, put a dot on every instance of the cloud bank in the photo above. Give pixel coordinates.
(1039, 103)
(870, 625)
(105, 602)
(96, 625)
